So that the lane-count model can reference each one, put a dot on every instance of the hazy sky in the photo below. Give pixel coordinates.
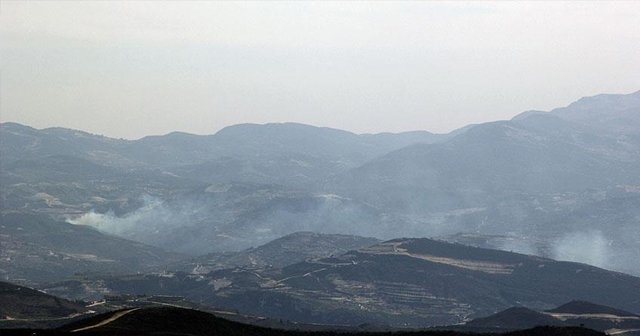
(133, 68)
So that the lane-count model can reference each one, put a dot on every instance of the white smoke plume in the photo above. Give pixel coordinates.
(150, 214)
(589, 247)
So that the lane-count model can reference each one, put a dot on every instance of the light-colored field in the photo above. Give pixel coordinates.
(394, 248)
(566, 316)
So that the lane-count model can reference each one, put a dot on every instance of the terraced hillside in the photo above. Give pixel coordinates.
(399, 283)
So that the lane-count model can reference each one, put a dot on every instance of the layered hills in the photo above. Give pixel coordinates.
(541, 175)
(613, 321)
(284, 251)
(397, 283)
(178, 321)
(26, 307)
(216, 219)
(19, 303)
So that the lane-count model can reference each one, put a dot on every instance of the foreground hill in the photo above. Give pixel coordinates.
(36, 248)
(576, 313)
(177, 321)
(17, 302)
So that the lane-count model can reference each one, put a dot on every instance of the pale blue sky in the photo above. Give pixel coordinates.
(129, 69)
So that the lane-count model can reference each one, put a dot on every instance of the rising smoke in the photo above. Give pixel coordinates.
(200, 225)
(590, 247)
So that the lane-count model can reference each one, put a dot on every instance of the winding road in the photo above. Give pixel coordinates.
(107, 321)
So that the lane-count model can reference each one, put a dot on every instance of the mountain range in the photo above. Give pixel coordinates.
(272, 220)
(538, 176)
(23, 307)
(398, 283)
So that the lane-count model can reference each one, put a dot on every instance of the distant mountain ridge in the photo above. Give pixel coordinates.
(248, 139)
(552, 177)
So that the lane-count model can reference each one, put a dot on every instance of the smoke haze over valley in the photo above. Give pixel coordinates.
(235, 168)
(249, 213)
(250, 184)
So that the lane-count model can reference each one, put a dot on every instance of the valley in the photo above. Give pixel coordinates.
(299, 223)
(320, 168)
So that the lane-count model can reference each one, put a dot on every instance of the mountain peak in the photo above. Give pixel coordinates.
(515, 318)
(585, 307)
